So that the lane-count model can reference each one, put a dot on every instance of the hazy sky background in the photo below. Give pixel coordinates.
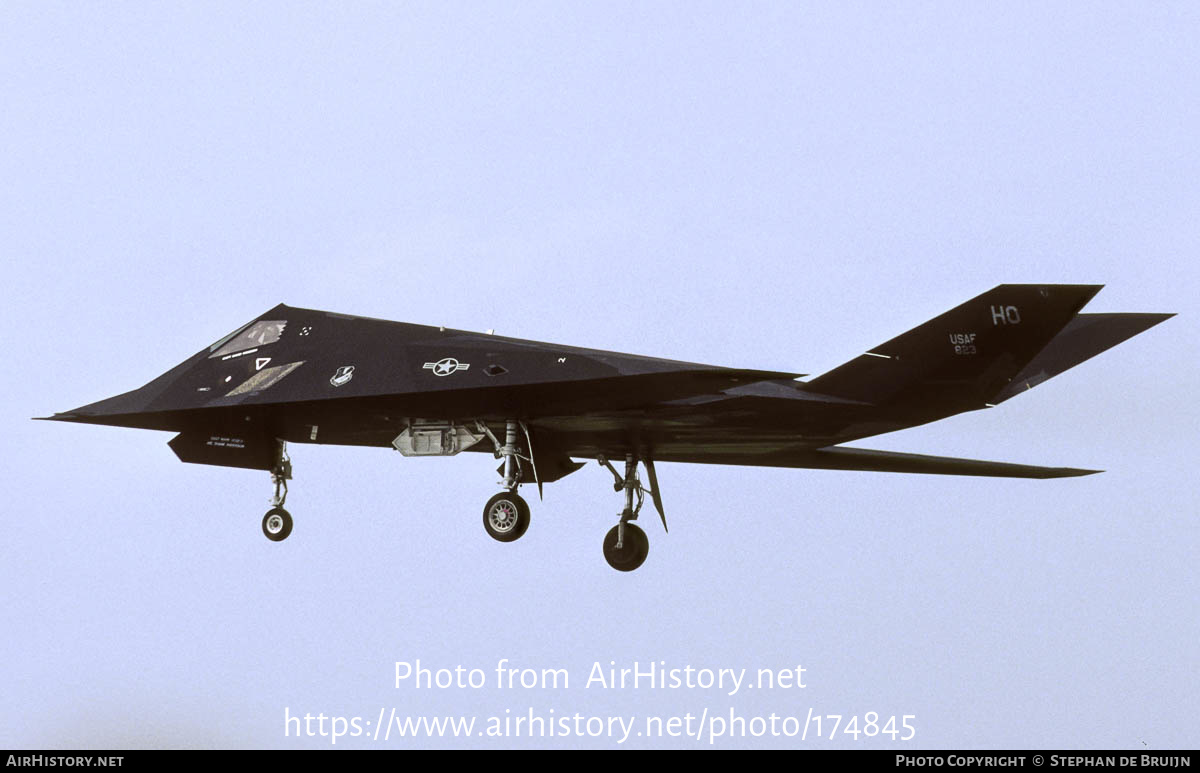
(769, 185)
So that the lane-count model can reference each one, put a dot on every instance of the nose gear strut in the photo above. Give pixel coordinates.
(277, 523)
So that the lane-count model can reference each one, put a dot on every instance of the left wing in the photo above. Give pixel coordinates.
(843, 458)
(677, 441)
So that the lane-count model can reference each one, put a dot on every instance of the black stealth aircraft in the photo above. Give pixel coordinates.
(303, 376)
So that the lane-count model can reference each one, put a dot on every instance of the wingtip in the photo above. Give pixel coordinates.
(1072, 472)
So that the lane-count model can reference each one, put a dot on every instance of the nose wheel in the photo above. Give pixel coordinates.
(277, 524)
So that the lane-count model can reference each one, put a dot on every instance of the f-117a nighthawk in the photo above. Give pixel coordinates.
(302, 376)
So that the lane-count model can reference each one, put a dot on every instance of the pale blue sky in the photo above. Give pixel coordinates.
(769, 185)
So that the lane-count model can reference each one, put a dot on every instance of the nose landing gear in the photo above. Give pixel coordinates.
(277, 523)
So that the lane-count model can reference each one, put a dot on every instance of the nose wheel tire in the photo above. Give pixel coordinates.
(506, 516)
(277, 524)
(633, 551)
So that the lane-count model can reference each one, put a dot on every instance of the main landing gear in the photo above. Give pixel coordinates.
(626, 545)
(506, 515)
(277, 523)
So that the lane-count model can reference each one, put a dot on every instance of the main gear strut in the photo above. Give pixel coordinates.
(626, 545)
(506, 515)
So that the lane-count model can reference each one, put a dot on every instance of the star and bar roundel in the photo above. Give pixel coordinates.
(446, 366)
